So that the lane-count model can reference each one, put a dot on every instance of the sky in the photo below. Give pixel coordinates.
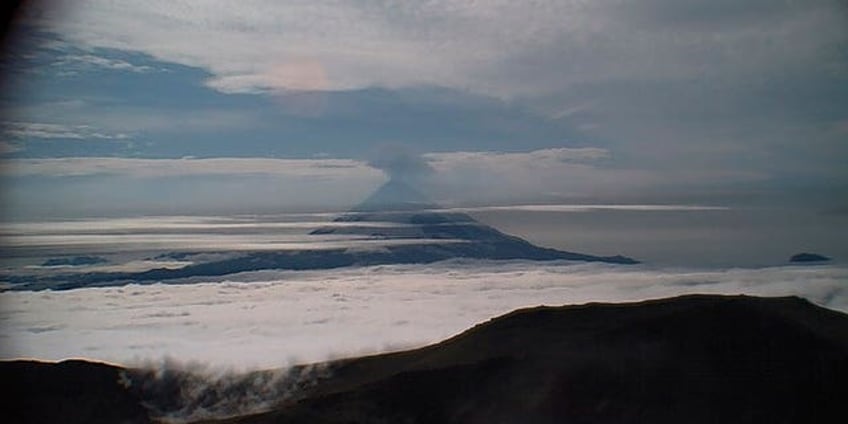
(168, 107)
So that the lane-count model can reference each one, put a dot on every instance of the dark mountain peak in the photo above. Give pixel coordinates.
(702, 358)
(72, 391)
(667, 320)
(395, 195)
(808, 257)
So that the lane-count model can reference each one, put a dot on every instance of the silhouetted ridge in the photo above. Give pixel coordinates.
(694, 359)
(67, 392)
(697, 359)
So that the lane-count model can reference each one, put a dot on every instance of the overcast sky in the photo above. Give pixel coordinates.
(183, 106)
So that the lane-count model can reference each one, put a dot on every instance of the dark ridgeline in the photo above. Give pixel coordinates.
(68, 392)
(428, 234)
(693, 359)
(808, 258)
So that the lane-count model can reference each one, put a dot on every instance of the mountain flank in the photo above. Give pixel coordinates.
(399, 223)
(697, 358)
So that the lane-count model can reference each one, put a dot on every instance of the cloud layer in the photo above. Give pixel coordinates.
(65, 167)
(498, 47)
(676, 96)
(453, 178)
(273, 319)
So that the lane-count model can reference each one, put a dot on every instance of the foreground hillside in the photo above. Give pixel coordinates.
(685, 359)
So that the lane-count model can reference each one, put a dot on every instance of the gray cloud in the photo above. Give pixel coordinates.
(496, 47)
(400, 163)
(725, 93)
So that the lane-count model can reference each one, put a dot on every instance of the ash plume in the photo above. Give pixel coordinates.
(401, 164)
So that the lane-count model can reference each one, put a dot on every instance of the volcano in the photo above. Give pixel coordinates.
(395, 225)
(405, 214)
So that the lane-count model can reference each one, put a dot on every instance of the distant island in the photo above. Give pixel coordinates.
(74, 261)
(808, 257)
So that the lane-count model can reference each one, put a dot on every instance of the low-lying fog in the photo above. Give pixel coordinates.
(275, 318)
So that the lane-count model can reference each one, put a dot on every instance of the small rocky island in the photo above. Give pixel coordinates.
(74, 261)
(806, 257)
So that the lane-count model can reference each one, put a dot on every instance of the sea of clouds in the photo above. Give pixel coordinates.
(278, 318)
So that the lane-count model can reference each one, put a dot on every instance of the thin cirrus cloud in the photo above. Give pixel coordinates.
(63, 167)
(536, 158)
(181, 223)
(329, 167)
(73, 63)
(587, 208)
(548, 176)
(140, 242)
(41, 130)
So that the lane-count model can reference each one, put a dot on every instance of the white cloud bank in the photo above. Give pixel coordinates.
(272, 319)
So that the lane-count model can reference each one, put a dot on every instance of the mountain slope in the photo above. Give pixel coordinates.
(395, 195)
(417, 218)
(411, 230)
(691, 359)
(699, 359)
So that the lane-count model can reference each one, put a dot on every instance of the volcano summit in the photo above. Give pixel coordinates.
(395, 225)
(408, 215)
